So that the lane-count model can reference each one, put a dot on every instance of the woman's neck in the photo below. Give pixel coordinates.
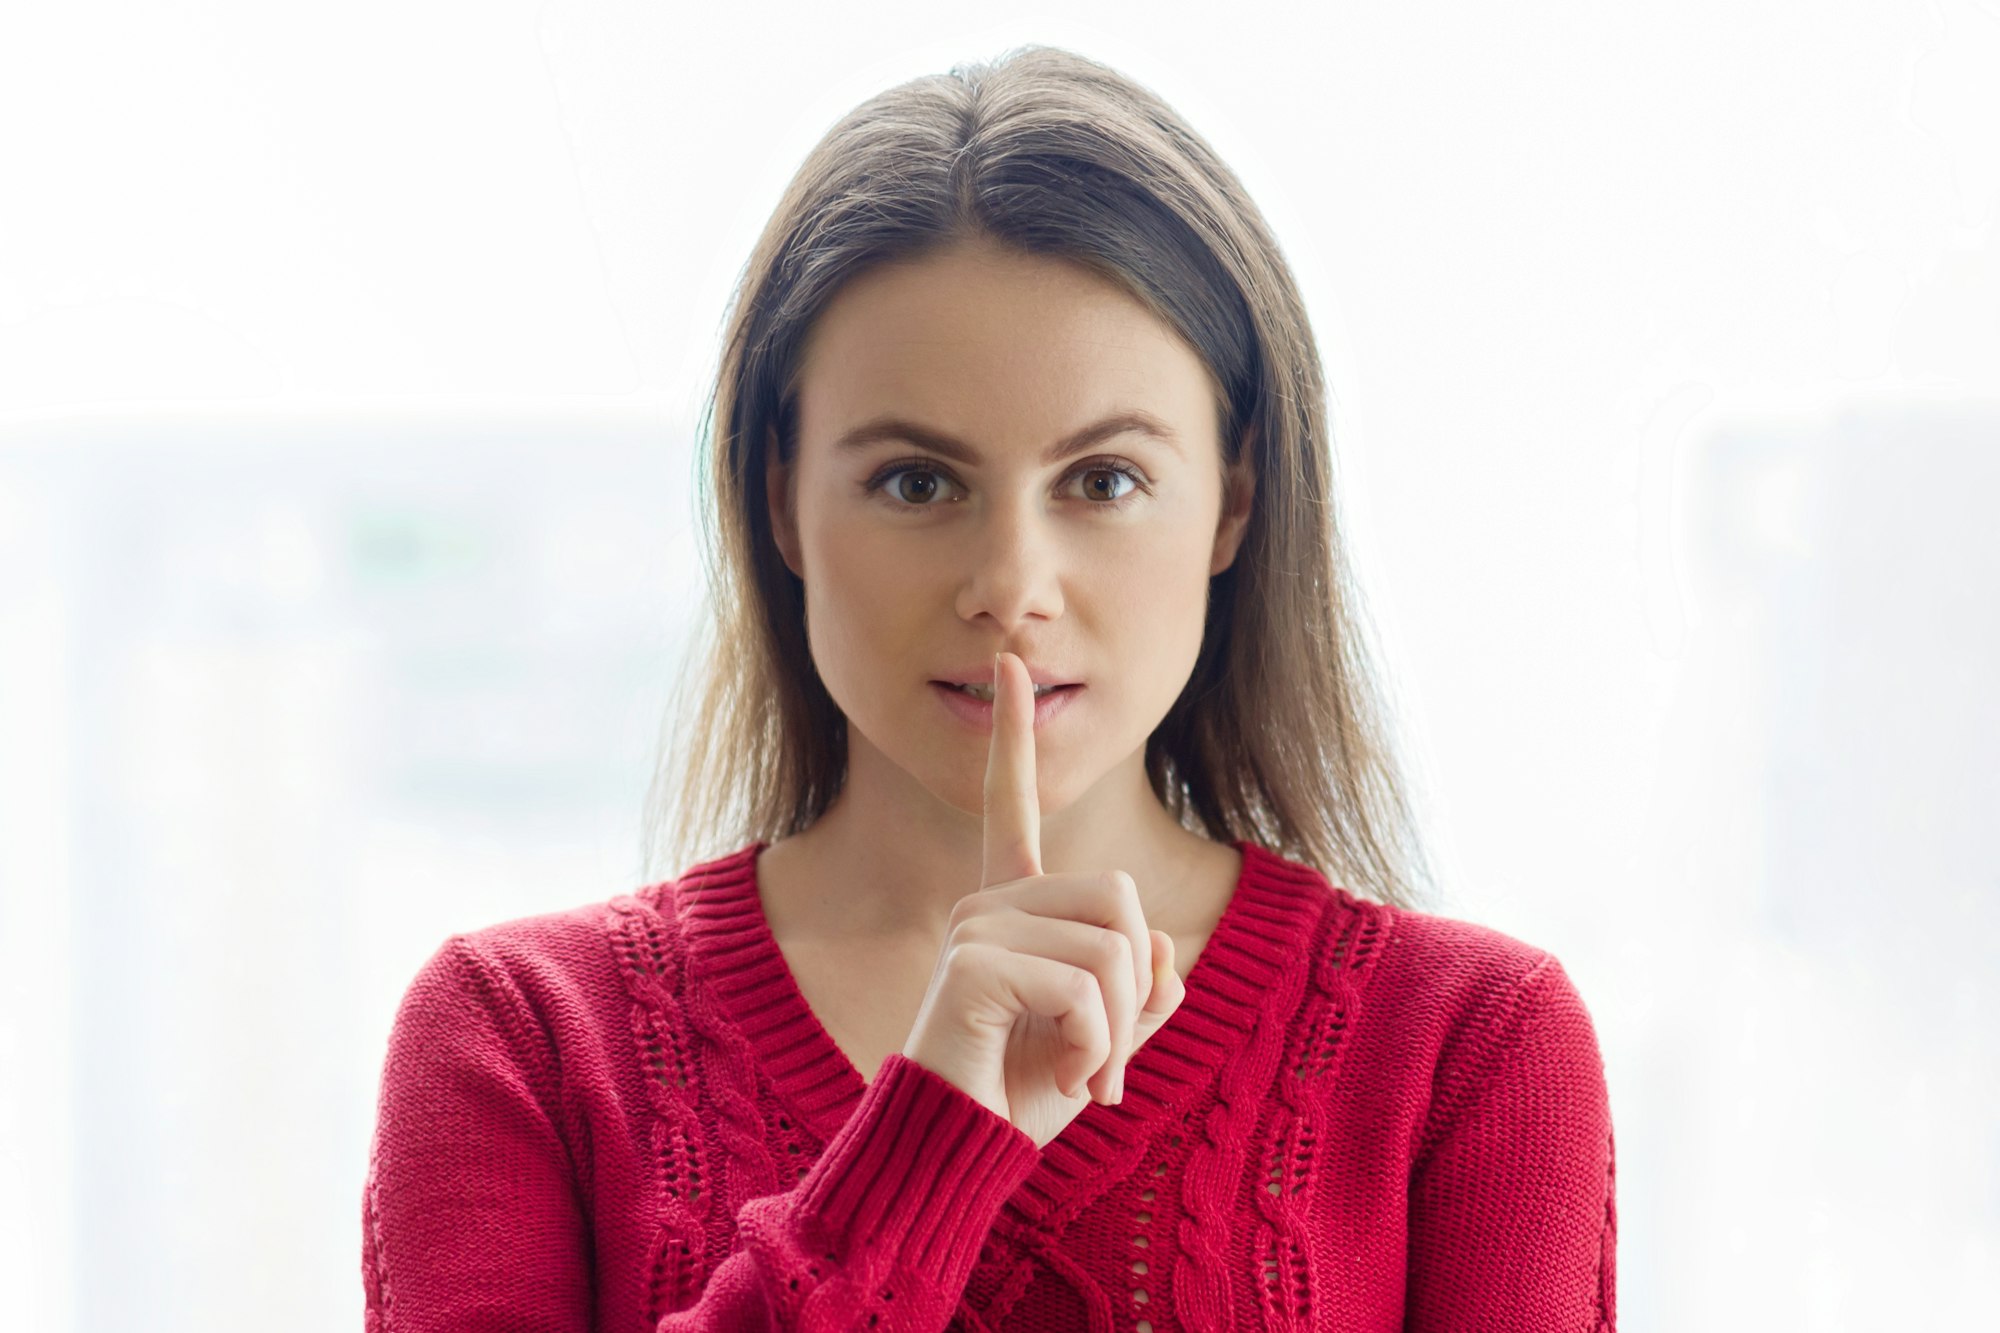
(889, 860)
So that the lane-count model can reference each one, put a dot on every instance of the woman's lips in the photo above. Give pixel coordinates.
(978, 714)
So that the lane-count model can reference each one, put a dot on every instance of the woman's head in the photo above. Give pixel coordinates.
(996, 259)
(921, 502)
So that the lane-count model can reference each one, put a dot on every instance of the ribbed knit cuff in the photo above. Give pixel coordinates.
(919, 1170)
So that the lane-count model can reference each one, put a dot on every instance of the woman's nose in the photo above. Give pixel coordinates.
(1016, 566)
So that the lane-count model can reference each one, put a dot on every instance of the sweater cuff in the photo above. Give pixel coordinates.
(918, 1172)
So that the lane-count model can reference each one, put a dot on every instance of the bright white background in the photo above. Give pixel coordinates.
(349, 362)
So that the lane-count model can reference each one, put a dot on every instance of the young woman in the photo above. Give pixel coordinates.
(1040, 722)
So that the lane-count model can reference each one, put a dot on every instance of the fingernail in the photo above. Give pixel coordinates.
(1118, 1088)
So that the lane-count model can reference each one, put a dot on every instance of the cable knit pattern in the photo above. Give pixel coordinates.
(626, 1117)
(1242, 1089)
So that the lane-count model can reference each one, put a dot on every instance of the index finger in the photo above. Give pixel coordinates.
(1013, 847)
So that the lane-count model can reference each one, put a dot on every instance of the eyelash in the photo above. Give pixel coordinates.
(901, 465)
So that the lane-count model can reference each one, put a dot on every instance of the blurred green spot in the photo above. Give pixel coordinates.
(404, 548)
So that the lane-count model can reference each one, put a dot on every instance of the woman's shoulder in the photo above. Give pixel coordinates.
(1439, 954)
(583, 962)
(1465, 991)
(1452, 953)
(1428, 972)
(524, 978)
(573, 937)
(559, 942)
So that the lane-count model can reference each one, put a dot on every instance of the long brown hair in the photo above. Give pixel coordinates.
(1278, 736)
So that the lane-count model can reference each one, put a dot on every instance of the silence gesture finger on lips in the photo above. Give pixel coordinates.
(1013, 807)
(1046, 984)
(1012, 852)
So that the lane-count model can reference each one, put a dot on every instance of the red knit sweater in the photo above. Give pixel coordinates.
(624, 1117)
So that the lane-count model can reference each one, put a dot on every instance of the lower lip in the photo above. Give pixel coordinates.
(978, 714)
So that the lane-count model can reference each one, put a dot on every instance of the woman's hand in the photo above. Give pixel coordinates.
(1046, 984)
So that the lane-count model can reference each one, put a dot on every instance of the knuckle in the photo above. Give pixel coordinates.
(968, 914)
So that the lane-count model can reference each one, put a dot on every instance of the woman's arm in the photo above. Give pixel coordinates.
(883, 1232)
(1513, 1222)
(473, 1222)
(470, 1216)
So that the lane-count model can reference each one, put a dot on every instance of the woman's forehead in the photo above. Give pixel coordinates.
(957, 342)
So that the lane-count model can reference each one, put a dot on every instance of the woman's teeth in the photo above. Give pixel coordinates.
(985, 692)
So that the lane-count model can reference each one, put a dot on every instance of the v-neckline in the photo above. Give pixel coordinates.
(1269, 916)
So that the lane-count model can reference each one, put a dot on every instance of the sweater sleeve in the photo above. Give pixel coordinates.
(470, 1216)
(1513, 1222)
(883, 1231)
(473, 1223)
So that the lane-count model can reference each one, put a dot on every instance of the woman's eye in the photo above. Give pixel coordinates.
(1101, 483)
(919, 495)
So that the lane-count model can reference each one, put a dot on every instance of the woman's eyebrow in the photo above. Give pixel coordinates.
(897, 428)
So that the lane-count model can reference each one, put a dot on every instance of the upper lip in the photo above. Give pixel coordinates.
(983, 675)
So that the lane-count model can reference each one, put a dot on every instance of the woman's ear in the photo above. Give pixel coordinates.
(1239, 488)
(779, 494)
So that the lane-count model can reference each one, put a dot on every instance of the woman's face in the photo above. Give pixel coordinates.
(928, 545)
